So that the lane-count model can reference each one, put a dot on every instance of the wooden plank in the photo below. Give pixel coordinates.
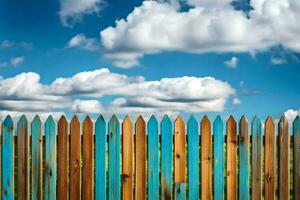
(296, 132)
(166, 158)
(114, 159)
(100, 168)
(75, 151)
(62, 158)
(127, 167)
(231, 159)
(206, 159)
(270, 162)
(36, 158)
(219, 174)
(256, 131)
(0, 159)
(7, 159)
(244, 165)
(140, 159)
(193, 157)
(87, 159)
(284, 159)
(23, 158)
(50, 161)
(179, 158)
(153, 176)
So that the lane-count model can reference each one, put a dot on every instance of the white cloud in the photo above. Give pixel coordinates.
(11, 43)
(208, 26)
(72, 11)
(277, 61)
(232, 63)
(130, 94)
(291, 115)
(80, 41)
(7, 44)
(236, 101)
(13, 62)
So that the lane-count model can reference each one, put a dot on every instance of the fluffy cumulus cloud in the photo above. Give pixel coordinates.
(72, 11)
(232, 63)
(207, 26)
(83, 93)
(291, 115)
(80, 41)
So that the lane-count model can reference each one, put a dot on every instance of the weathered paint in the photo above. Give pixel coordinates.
(100, 163)
(153, 176)
(193, 158)
(166, 158)
(114, 159)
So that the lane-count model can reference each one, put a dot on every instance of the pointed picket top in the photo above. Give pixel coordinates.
(256, 120)
(270, 121)
(244, 119)
(296, 125)
(205, 119)
(36, 119)
(22, 119)
(231, 123)
(152, 120)
(8, 122)
(113, 119)
(283, 120)
(140, 120)
(179, 120)
(75, 120)
(100, 119)
(218, 121)
(87, 120)
(166, 120)
(50, 120)
(192, 120)
(127, 119)
(62, 120)
(256, 126)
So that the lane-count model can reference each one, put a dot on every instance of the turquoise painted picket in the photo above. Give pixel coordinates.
(193, 158)
(36, 158)
(114, 159)
(219, 174)
(7, 159)
(100, 162)
(50, 160)
(166, 158)
(153, 173)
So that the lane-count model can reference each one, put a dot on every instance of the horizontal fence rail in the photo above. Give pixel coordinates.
(150, 160)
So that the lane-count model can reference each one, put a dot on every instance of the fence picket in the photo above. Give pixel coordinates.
(244, 166)
(270, 162)
(179, 159)
(62, 158)
(50, 161)
(231, 159)
(7, 159)
(23, 158)
(296, 132)
(284, 159)
(114, 159)
(140, 158)
(166, 158)
(218, 159)
(193, 157)
(256, 159)
(100, 162)
(153, 176)
(75, 151)
(87, 159)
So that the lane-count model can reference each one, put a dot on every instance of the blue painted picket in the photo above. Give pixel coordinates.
(244, 159)
(100, 165)
(50, 161)
(153, 176)
(166, 158)
(218, 159)
(114, 159)
(7, 159)
(36, 159)
(193, 158)
(256, 131)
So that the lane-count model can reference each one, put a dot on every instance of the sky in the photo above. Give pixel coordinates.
(213, 57)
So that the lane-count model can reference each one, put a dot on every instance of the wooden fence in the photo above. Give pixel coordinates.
(186, 161)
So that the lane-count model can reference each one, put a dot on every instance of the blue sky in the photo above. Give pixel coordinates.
(189, 56)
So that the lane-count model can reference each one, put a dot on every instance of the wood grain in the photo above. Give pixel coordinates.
(75, 151)
(284, 159)
(140, 159)
(127, 158)
(296, 132)
(62, 158)
(87, 159)
(206, 159)
(231, 159)
(270, 162)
